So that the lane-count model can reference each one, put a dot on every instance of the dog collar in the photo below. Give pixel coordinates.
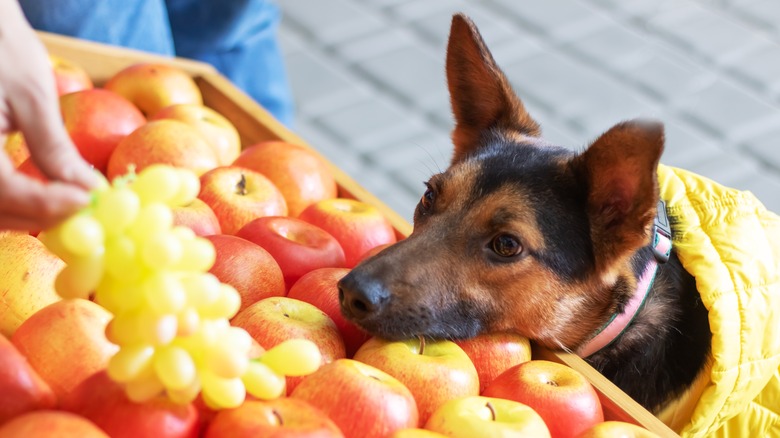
(662, 249)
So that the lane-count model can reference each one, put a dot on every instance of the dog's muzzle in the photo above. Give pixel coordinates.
(362, 296)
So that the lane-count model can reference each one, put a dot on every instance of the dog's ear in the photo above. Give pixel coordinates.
(619, 171)
(480, 93)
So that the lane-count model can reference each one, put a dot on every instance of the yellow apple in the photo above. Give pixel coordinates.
(152, 87)
(468, 417)
(213, 126)
(617, 429)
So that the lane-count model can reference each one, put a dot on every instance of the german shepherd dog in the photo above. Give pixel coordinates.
(522, 235)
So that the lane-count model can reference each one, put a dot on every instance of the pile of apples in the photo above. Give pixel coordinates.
(282, 238)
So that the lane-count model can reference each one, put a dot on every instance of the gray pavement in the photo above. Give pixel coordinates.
(368, 79)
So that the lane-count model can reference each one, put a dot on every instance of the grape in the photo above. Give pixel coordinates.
(293, 357)
(130, 362)
(174, 367)
(157, 183)
(117, 209)
(82, 235)
(263, 382)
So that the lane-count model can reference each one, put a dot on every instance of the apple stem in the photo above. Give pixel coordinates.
(278, 417)
(492, 411)
(241, 186)
(422, 344)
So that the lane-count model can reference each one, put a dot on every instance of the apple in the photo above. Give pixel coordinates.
(50, 423)
(69, 77)
(103, 401)
(28, 271)
(197, 216)
(30, 169)
(273, 320)
(65, 342)
(300, 174)
(356, 225)
(561, 395)
(283, 417)
(213, 126)
(416, 433)
(162, 141)
(97, 120)
(434, 371)
(362, 400)
(374, 251)
(320, 288)
(23, 389)
(16, 148)
(299, 247)
(239, 195)
(617, 429)
(484, 416)
(153, 86)
(247, 267)
(494, 353)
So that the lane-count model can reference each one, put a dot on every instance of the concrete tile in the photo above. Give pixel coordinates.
(726, 168)
(559, 19)
(333, 20)
(765, 147)
(765, 12)
(613, 46)
(435, 23)
(760, 68)
(765, 186)
(290, 41)
(638, 8)
(377, 44)
(416, 159)
(685, 146)
(669, 76)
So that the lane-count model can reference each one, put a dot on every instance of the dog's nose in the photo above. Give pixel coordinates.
(361, 295)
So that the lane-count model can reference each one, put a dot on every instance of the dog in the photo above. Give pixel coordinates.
(570, 249)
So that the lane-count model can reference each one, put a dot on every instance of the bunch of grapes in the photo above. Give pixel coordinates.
(171, 317)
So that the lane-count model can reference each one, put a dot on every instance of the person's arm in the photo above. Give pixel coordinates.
(29, 103)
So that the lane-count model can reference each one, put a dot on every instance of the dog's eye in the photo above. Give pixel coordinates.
(427, 198)
(506, 245)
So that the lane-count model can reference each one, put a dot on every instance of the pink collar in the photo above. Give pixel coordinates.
(662, 247)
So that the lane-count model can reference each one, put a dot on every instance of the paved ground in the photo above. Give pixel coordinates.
(369, 82)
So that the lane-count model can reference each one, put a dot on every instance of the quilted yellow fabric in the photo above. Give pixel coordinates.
(731, 244)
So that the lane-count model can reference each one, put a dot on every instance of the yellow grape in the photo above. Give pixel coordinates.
(185, 395)
(183, 233)
(82, 235)
(117, 296)
(226, 305)
(152, 219)
(116, 209)
(225, 361)
(223, 393)
(198, 255)
(122, 259)
(164, 293)
(156, 183)
(203, 290)
(189, 187)
(293, 357)
(188, 321)
(156, 329)
(144, 389)
(262, 382)
(80, 278)
(174, 367)
(52, 238)
(161, 251)
(130, 362)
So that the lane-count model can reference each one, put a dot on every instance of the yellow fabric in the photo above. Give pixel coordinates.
(731, 244)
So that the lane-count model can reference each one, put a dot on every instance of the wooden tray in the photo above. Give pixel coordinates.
(255, 124)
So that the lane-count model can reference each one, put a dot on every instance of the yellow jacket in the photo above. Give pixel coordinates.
(730, 243)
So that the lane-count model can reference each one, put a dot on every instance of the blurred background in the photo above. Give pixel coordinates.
(369, 83)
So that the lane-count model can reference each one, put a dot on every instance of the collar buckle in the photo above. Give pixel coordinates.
(662, 234)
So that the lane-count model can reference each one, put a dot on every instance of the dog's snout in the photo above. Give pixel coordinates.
(361, 296)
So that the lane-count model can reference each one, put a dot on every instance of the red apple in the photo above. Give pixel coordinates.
(69, 77)
(494, 353)
(374, 251)
(273, 320)
(103, 401)
(320, 287)
(16, 148)
(468, 417)
(298, 247)
(50, 423)
(435, 371)
(617, 429)
(247, 267)
(362, 400)
(65, 342)
(356, 225)
(562, 396)
(197, 216)
(23, 389)
(239, 195)
(152, 86)
(213, 126)
(29, 168)
(300, 174)
(283, 417)
(28, 271)
(97, 120)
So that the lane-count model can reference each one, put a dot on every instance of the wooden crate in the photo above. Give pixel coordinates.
(255, 124)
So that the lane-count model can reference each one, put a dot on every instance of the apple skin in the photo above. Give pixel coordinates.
(273, 320)
(197, 216)
(416, 433)
(247, 267)
(237, 196)
(280, 418)
(617, 429)
(103, 401)
(441, 373)
(28, 271)
(300, 174)
(213, 126)
(50, 423)
(470, 416)
(65, 342)
(356, 225)
(299, 247)
(562, 396)
(320, 288)
(151, 86)
(494, 353)
(162, 141)
(69, 77)
(23, 390)
(362, 400)
(16, 148)
(97, 120)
